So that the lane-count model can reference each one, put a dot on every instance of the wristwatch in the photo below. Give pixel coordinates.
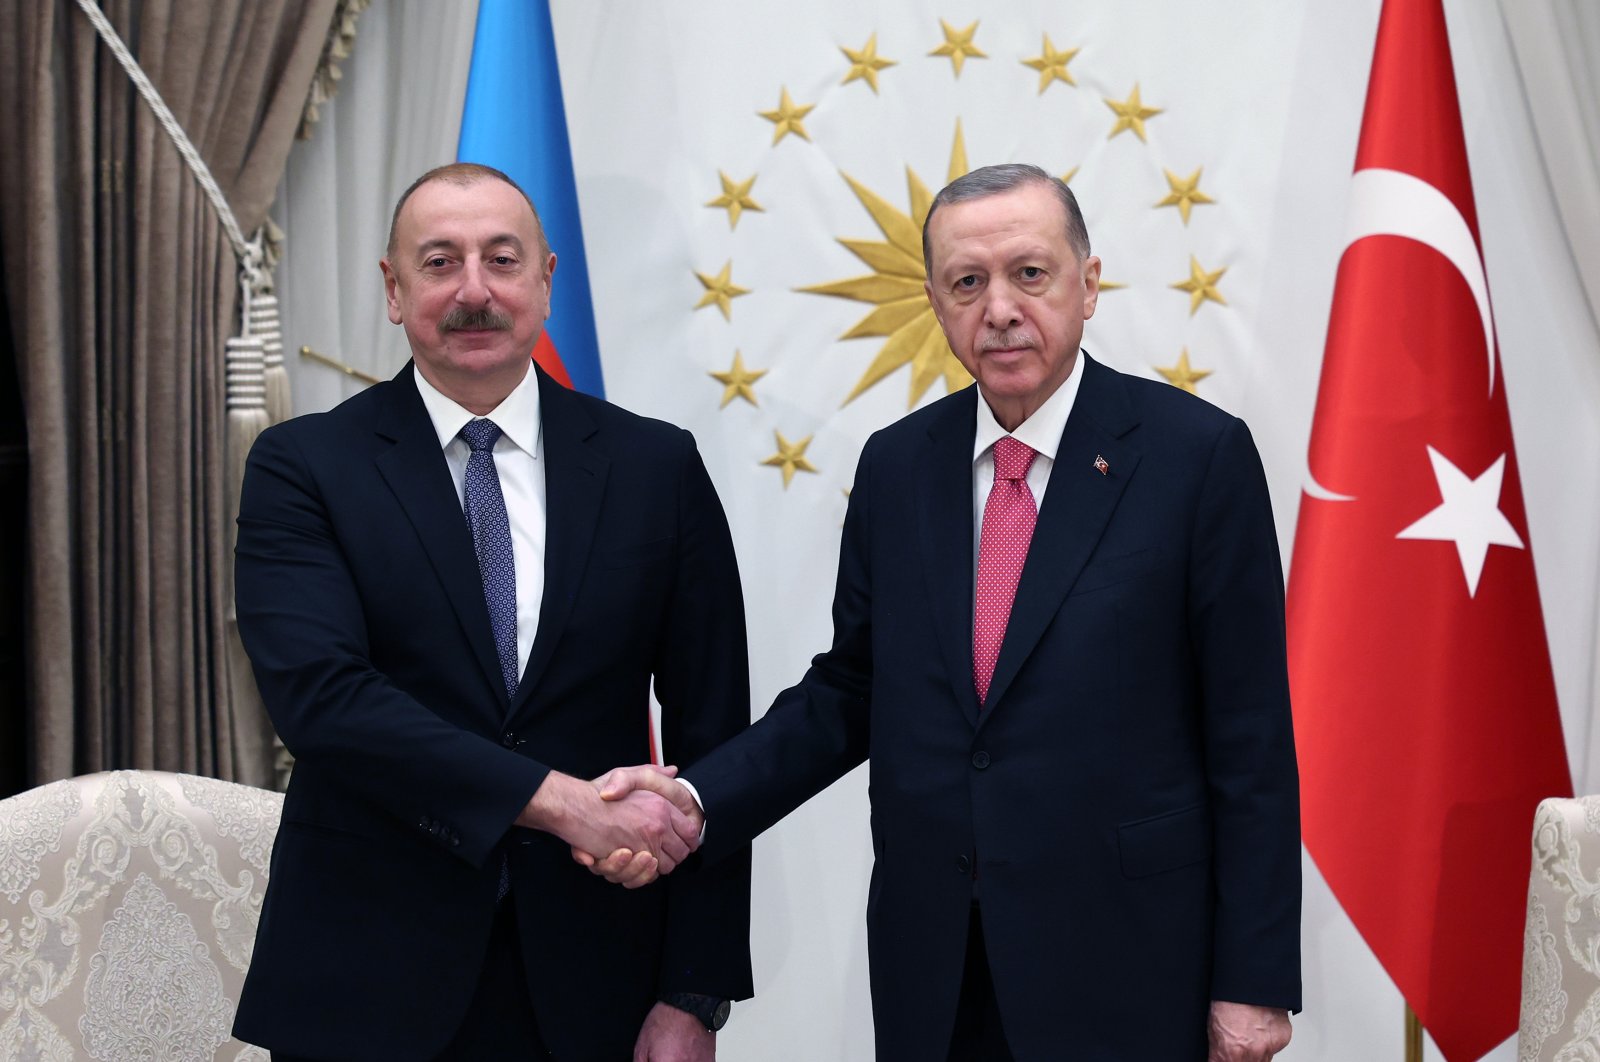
(711, 1011)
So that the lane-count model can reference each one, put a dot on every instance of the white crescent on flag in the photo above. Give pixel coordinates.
(1391, 203)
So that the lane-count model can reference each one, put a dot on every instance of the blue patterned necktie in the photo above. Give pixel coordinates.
(486, 513)
(491, 537)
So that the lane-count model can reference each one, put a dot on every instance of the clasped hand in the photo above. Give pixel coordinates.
(631, 865)
(636, 819)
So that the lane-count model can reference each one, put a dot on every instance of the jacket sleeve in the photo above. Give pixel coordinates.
(302, 622)
(702, 681)
(1236, 623)
(816, 731)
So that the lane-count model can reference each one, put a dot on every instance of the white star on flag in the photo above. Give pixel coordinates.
(1469, 516)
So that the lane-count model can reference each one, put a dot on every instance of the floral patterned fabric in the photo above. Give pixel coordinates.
(128, 911)
(1561, 940)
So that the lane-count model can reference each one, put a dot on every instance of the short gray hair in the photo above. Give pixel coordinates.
(995, 180)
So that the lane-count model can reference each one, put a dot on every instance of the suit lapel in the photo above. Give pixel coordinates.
(574, 486)
(1077, 505)
(944, 511)
(415, 469)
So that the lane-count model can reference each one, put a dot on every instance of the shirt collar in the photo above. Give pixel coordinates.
(517, 415)
(1042, 431)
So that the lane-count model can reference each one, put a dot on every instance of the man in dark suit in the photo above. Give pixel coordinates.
(1058, 635)
(455, 590)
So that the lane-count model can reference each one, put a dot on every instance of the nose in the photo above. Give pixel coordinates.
(1001, 310)
(474, 289)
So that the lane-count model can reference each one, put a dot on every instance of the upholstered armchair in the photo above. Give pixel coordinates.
(1561, 940)
(128, 910)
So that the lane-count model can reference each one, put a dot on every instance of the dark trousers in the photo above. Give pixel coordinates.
(978, 1036)
(499, 1023)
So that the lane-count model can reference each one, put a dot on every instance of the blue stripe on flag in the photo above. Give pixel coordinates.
(514, 120)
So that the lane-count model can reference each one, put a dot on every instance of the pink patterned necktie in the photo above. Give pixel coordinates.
(1008, 519)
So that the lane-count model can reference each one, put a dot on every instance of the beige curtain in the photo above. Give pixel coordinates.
(122, 290)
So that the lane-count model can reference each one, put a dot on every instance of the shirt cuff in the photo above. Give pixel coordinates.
(701, 804)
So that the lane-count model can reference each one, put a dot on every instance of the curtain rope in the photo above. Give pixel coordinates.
(248, 251)
(253, 373)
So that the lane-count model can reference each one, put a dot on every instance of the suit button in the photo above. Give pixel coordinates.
(980, 759)
(455, 842)
(424, 823)
(509, 741)
(963, 864)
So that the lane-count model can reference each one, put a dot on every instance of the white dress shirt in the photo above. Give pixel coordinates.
(519, 460)
(1041, 432)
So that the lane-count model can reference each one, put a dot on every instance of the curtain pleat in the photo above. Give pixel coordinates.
(123, 289)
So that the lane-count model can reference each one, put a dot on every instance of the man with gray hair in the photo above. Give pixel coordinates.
(1059, 638)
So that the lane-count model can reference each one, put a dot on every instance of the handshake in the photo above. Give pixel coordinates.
(629, 826)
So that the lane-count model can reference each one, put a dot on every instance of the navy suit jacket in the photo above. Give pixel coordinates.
(1125, 804)
(362, 610)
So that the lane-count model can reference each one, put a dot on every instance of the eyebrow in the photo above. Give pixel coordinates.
(970, 263)
(441, 243)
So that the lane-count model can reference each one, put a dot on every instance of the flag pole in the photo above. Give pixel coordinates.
(1413, 1036)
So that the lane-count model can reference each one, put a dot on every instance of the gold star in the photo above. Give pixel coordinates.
(1111, 285)
(735, 198)
(1185, 193)
(787, 117)
(1182, 375)
(901, 312)
(958, 45)
(1066, 178)
(1130, 113)
(738, 381)
(865, 64)
(1052, 65)
(1201, 286)
(791, 457)
(720, 290)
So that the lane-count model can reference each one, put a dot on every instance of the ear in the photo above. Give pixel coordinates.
(391, 291)
(549, 285)
(1091, 285)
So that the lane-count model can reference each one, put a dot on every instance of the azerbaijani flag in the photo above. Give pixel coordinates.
(514, 120)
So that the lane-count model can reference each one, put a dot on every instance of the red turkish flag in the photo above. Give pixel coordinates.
(1425, 708)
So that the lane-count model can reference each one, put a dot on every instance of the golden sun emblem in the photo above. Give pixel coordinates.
(895, 287)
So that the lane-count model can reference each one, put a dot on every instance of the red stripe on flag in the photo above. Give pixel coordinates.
(548, 359)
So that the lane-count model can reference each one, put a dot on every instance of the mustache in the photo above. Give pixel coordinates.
(1006, 341)
(480, 320)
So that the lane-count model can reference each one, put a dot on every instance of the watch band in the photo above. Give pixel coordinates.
(710, 1011)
